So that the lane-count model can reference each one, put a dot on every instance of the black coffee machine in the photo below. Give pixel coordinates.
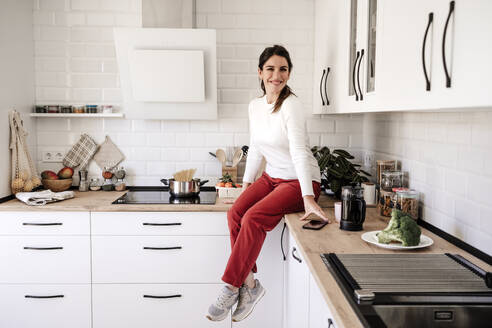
(353, 208)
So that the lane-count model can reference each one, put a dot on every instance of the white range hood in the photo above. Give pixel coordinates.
(167, 73)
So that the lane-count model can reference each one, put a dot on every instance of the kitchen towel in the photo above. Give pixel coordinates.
(108, 155)
(81, 153)
(43, 197)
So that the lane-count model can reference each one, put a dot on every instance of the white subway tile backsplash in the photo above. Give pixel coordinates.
(178, 154)
(190, 139)
(84, 95)
(100, 19)
(161, 139)
(54, 138)
(115, 5)
(146, 125)
(164, 169)
(202, 154)
(146, 153)
(175, 126)
(53, 124)
(236, 6)
(117, 125)
(241, 139)
(219, 140)
(85, 4)
(94, 80)
(85, 34)
(232, 96)
(131, 139)
(43, 18)
(335, 140)
(455, 182)
(233, 125)
(479, 189)
(208, 6)
(204, 126)
(112, 95)
(128, 20)
(52, 5)
(479, 239)
(50, 49)
(86, 124)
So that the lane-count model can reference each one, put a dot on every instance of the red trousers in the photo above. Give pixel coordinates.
(258, 210)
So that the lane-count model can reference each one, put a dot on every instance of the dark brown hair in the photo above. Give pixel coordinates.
(265, 55)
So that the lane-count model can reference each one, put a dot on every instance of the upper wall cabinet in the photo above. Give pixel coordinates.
(345, 55)
(409, 55)
(436, 54)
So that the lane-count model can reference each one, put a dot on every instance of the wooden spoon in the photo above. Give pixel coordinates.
(238, 155)
(221, 156)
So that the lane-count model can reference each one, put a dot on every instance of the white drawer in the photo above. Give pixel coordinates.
(72, 310)
(159, 223)
(44, 223)
(124, 306)
(123, 259)
(71, 264)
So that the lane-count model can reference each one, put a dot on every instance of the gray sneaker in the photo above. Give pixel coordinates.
(248, 297)
(219, 311)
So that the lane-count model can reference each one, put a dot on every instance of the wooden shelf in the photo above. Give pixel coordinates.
(85, 115)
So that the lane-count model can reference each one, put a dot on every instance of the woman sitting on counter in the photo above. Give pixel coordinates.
(290, 183)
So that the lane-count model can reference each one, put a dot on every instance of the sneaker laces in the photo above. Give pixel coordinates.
(222, 299)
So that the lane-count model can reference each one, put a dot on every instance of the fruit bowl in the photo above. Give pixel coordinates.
(57, 185)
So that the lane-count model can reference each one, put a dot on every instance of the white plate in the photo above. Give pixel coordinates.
(371, 237)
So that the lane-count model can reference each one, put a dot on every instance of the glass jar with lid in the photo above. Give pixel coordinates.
(95, 184)
(408, 202)
(391, 179)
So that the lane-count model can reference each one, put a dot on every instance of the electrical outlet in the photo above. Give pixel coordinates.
(53, 156)
(369, 160)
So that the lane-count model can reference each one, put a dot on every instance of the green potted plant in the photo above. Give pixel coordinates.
(337, 170)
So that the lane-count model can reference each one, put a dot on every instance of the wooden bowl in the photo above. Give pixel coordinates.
(57, 185)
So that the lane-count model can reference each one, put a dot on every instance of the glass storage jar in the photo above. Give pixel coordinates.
(95, 184)
(391, 179)
(408, 202)
(386, 203)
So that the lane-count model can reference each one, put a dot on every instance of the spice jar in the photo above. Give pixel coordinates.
(95, 184)
(386, 203)
(53, 109)
(391, 179)
(66, 109)
(408, 202)
(108, 182)
(91, 109)
(120, 174)
(78, 109)
(41, 109)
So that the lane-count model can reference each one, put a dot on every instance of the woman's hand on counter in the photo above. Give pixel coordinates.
(311, 207)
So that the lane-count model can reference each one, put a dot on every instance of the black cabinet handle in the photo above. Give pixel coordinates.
(326, 92)
(161, 224)
(49, 296)
(163, 248)
(358, 74)
(282, 241)
(330, 323)
(42, 248)
(321, 88)
(427, 79)
(353, 77)
(448, 77)
(167, 296)
(294, 256)
(41, 224)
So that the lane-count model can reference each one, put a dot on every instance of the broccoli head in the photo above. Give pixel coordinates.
(401, 228)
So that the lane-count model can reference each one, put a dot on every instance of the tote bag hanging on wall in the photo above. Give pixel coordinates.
(24, 174)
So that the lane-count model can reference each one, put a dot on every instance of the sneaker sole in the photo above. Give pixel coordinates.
(217, 318)
(252, 308)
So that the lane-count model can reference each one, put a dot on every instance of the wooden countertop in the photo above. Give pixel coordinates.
(331, 239)
(100, 201)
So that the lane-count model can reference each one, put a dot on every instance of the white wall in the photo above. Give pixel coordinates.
(16, 78)
(447, 157)
(75, 63)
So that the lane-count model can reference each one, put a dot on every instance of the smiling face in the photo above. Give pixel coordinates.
(275, 74)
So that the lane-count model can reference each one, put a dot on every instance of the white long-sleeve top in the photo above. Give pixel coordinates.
(281, 138)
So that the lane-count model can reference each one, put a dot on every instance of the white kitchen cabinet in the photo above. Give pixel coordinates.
(45, 306)
(346, 34)
(319, 313)
(159, 259)
(154, 305)
(331, 56)
(401, 78)
(296, 287)
(45, 223)
(45, 259)
(268, 312)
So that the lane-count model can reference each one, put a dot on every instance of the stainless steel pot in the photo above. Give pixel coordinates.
(184, 188)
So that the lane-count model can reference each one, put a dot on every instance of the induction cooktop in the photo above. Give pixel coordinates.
(161, 195)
